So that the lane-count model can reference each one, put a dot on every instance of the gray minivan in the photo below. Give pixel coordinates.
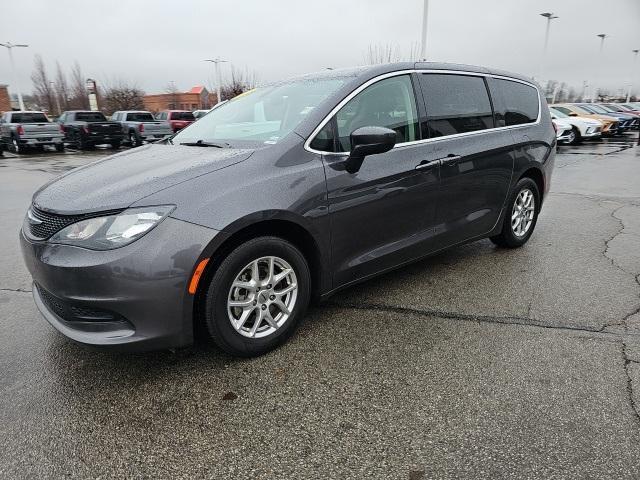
(285, 194)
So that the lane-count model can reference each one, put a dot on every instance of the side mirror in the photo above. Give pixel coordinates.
(573, 114)
(369, 141)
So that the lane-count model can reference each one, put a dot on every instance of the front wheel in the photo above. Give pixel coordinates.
(574, 137)
(521, 215)
(257, 296)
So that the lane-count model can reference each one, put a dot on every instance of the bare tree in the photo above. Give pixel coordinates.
(78, 96)
(238, 82)
(122, 95)
(41, 85)
(62, 87)
(389, 53)
(174, 93)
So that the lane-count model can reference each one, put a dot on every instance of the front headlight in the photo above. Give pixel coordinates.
(112, 231)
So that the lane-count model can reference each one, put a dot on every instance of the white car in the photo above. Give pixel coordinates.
(583, 127)
(564, 130)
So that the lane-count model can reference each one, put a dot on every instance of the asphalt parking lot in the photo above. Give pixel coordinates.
(476, 363)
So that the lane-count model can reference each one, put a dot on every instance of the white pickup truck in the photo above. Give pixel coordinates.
(23, 130)
(139, 126)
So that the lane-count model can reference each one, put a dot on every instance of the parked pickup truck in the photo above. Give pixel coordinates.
(177, 118)
(86, 129)
(23, 130)
(138, 126)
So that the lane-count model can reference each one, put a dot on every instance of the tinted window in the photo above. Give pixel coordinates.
(182, 116)
(29, 118)
(140, 117)
(456, 104)
(388, 103)
(90, 117)
(522, 104)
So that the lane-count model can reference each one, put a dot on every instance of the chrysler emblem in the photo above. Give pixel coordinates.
(32, 218)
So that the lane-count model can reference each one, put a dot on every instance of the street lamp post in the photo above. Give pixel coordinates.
(55, 94)
(602, 36)
(633, 73)
(10, 46)
(549, 16)
(217, 63)
(423, 45)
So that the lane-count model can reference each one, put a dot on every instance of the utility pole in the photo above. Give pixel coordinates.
(10, 46)
(423, 46)
(633, 72)
(549, 16)
(217, 61)
(602, 37)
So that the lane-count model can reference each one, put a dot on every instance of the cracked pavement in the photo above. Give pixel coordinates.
(475, 363)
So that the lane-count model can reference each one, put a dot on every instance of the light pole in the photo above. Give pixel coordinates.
(549, 16)
(602, 36)
(423, 46)
(10, 46)
(55, 94)
(217, 63)
(633, 72)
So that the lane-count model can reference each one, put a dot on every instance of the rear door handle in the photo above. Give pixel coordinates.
(451, 159)
(424, 165)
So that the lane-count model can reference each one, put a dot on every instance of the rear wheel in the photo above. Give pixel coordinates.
(59, 147)
(134, 139)
(16, 147)
(521, 215)
(257, 296)
(115, 145)
(574, 137)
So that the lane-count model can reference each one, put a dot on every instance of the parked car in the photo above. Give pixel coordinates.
(583, 128)
(625, 122)
(630, 107)
(201, 113)
(86, 129)
(24, 130)
(288, 193)
(564, 130)
(618, 109)
(178, 119)
(610, 125)
(140, 126)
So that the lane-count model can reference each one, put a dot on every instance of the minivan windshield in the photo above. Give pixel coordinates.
(263, 115)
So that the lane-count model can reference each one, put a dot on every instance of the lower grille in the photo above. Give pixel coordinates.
(76, 313)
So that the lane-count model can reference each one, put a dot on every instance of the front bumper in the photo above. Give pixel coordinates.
(134, 297)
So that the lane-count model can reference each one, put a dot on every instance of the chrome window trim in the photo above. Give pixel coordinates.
(307, 143)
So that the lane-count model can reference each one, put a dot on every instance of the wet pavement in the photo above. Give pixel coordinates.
(476, 363)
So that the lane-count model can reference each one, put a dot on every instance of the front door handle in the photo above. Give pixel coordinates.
(425, 165)
(451, 159)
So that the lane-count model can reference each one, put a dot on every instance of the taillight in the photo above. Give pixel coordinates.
(61, 129)
(86, 129)
(20, 130)
(141, 128)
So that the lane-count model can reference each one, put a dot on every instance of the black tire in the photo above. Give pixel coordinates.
(16, 147)
(577, 138)
(59, 147)
(217, 320)
(115, 145)
(507, 238)
(134, 139)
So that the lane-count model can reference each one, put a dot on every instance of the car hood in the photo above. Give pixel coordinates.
(125, 178)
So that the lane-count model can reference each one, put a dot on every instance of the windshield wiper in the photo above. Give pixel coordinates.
(200, 143)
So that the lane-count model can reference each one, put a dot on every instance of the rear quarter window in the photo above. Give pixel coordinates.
(521, 102)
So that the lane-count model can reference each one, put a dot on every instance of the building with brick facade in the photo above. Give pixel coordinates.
(198, 98)
(5, 101)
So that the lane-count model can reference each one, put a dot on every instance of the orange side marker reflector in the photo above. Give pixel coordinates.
(193, 284)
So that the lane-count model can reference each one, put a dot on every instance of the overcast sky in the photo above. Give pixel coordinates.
(154, 42)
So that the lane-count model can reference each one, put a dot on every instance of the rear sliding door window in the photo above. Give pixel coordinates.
(521, 101)
(455, 104)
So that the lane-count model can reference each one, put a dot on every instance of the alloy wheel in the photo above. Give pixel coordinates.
(262, 297)
(524, 209)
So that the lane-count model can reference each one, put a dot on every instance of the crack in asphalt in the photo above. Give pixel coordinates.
(496, 319)
(630, 393)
